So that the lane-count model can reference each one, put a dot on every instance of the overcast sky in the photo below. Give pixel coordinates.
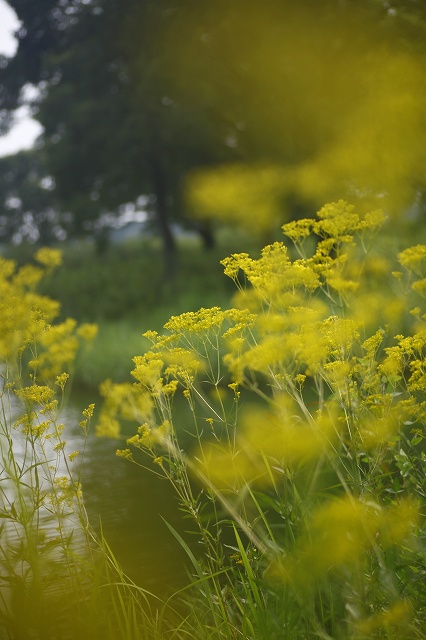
(26, 130)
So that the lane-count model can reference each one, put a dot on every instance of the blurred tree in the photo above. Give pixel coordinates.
(28, 207)
(113, 128)
(134, 95)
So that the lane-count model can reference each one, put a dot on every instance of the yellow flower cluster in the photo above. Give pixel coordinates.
(274, 278)
(123, 401)
(397, 616)
(148, 437)
(408, 352)
(87, 331)
(332, 443)
(148, 369)
(267, 444)
(339, 533)
(195, 321)
(337, 220)
(36, 394)
(27, 319)
(48, 257)
(414, 258)
(37, 354)
(298, 230)
(64, 493)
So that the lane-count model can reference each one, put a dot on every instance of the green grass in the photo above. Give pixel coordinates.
(124, 292)
(127, 282)
(110, 355)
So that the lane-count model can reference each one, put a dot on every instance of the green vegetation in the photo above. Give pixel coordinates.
(299, 460)
(303, 459)
(288, 416)
(126, 281)
(124, 292)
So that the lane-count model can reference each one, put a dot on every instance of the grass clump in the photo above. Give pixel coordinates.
(301, 459)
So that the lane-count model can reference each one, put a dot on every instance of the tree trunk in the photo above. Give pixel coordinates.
(207, 236)
(102, 241)
(162, 212)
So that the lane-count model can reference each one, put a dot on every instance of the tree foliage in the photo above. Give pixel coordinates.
(29, 207)
(115, 126)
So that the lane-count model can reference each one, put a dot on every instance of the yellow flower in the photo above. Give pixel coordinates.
(372, 220)
(398, 522)
(61, 380)
(398, 615)
(48, 257)
(338, 534)
(337, 220)
(413, 258)
(372, 344)
(88, 331)
(108, 427)
(124, 453)
(195, 321)
(28, 277)
(148, 368)
(36, 393)
(89, 411)
(419, 286)
(298, 230)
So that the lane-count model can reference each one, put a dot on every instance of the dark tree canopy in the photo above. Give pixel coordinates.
(114, 127)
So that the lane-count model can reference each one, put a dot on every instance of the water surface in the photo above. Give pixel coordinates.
(131, 504)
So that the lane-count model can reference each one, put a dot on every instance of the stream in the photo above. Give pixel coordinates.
(131, 504)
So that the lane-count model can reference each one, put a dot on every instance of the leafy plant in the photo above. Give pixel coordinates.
(302, 457)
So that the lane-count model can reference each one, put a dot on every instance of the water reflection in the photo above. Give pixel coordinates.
(129, 503)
